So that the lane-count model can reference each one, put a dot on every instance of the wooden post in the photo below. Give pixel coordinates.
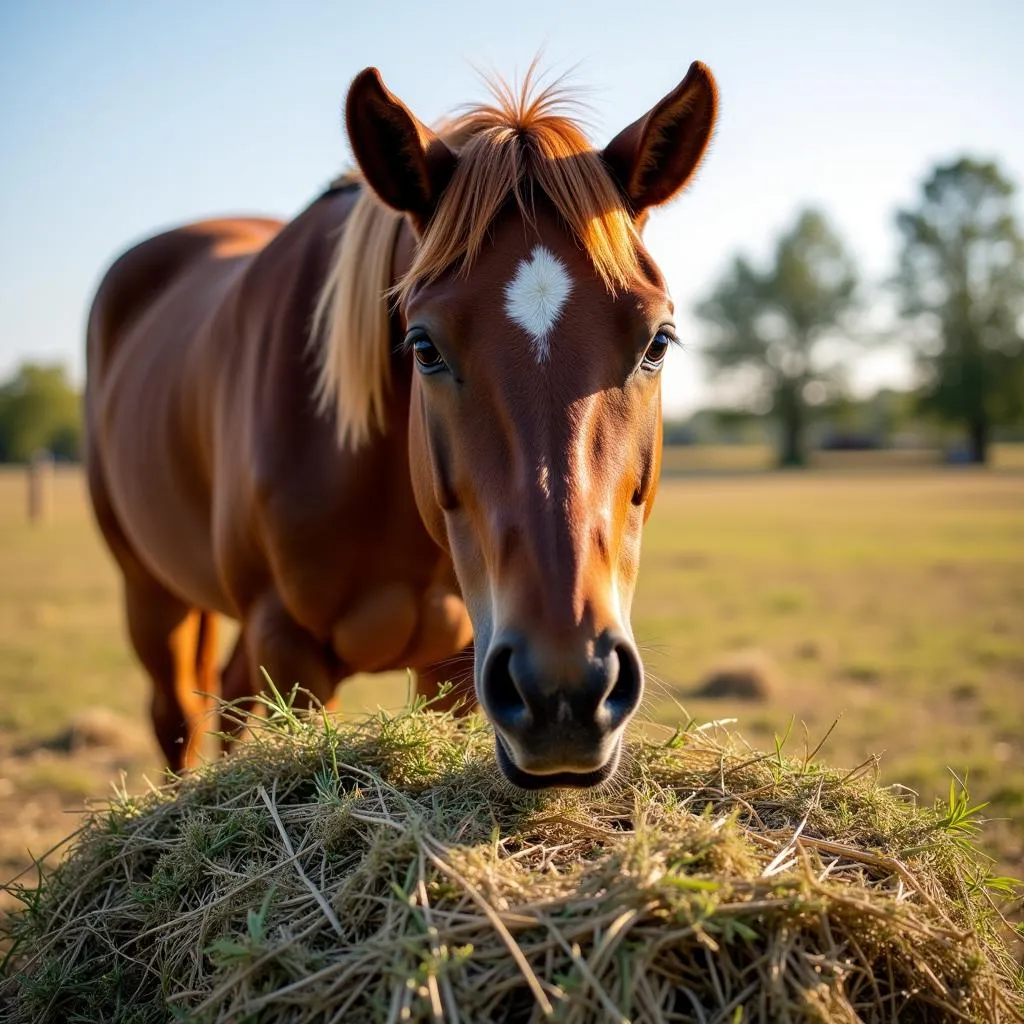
(40, 487)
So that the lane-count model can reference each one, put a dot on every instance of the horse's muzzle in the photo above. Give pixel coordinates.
(559, 710)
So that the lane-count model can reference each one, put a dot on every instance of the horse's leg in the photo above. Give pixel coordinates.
(290, 654)
(458, 671)
(175, 643)
(206, 654)
(238, 688)
(167, 636)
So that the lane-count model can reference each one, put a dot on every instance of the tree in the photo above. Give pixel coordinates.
(773, 323)
(39, 409)
(961, 280)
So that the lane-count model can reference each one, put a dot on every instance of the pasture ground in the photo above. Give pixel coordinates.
(891, 600)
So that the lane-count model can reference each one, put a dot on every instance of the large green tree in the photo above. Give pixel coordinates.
(961, 283)
(771, 323)
(39, 410)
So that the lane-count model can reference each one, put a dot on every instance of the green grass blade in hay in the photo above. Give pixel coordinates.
(383, 871)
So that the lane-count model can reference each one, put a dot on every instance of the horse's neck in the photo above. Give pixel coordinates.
(281, 293)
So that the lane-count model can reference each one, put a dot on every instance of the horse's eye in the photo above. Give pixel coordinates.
(655, 354)
(427, 357)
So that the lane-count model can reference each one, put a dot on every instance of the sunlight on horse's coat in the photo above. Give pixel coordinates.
(544, 477)
(535, 297)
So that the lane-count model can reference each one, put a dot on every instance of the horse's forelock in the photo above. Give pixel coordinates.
(528, 141)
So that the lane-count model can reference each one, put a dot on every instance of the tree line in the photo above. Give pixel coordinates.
(40, 410)
(785, 329)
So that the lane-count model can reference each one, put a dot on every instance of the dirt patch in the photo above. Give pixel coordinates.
(746, 675)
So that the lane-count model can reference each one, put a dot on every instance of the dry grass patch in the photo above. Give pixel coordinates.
(382, 871)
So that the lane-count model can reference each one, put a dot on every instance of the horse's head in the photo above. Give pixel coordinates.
(538, 325)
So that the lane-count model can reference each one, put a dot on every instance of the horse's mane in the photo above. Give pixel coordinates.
(523, 143)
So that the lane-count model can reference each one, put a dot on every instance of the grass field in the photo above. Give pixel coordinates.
(893, 601)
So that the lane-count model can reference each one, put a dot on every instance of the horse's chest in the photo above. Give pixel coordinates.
(396, 626)
(376, 587)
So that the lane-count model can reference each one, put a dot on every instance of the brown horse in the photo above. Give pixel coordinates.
(368, 483)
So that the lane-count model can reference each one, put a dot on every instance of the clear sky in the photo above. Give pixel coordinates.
(120, 117)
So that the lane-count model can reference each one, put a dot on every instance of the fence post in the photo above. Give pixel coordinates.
(40, 487)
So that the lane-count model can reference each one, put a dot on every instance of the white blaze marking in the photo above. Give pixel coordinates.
(535, 297)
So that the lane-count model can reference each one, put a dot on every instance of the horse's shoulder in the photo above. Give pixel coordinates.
(296, 478)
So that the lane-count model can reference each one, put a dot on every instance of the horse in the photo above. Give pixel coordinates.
(418, 423)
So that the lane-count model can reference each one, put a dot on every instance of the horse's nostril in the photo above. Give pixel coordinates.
(555, 701)
(503, 700)
(624, 697)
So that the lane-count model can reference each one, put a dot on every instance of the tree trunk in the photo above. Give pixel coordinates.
(792, 454)
(978, 428)
(790, 409)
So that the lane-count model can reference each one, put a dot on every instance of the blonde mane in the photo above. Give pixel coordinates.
(522, 144)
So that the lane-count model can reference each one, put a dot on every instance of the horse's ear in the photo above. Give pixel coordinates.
(403, 161)
(656, 156)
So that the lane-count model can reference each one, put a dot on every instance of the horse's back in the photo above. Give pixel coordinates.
(153, 347)
(143, 274)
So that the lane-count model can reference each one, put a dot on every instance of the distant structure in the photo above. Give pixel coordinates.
(40, 487)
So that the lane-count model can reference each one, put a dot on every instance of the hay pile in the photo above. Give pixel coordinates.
(383, 872)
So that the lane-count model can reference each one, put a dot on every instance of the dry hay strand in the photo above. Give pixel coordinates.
(383, 871)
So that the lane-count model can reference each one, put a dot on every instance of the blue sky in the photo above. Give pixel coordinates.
(120, 118)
